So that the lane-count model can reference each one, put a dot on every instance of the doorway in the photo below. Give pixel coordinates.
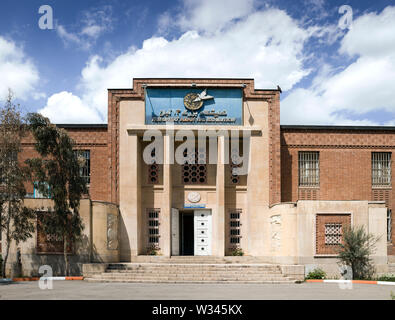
(187, 233)
(191, 232)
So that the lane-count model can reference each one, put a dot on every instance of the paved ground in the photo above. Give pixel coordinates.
(83, 290)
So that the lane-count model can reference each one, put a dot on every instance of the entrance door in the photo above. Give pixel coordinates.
(175, 232)
(187, 234)
(202, 232)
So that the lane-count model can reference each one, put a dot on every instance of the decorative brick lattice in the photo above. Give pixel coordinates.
(194, 170)
(329, 232)
(333, 233)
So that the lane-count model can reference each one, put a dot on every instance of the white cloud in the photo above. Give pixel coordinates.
(64, 107)
(95, 22)
(17, 71)
(211, 16)
(364, 86)
(258, 46)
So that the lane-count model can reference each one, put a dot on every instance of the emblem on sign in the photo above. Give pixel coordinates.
(194, 101)
(194, 197)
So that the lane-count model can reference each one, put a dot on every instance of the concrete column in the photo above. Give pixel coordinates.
(130, 197)
(165, 220)
(218, 234)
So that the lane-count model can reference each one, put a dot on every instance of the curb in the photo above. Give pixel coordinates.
(47, 278)
(388, 283)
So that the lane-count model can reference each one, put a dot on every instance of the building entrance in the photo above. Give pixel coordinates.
(191, 232)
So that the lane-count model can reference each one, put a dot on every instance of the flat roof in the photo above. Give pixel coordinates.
(81, 126)
(320, 127)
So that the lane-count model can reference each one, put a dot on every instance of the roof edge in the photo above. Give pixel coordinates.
(334, 127)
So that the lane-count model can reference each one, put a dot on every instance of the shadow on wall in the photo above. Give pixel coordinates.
(123, 240)
(286, 175)
(29, 264)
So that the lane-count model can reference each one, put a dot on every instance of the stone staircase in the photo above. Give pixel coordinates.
(186, 270)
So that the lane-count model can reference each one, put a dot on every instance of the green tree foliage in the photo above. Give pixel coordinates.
(355, 251)
(16, 221)
(59, 169)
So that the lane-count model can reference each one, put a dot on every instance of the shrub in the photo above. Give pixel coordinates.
(387, 277)
(153, 250)
(237, 252)
(355, 251)
(317, 273)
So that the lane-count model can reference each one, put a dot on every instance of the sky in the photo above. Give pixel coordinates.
(334, 60)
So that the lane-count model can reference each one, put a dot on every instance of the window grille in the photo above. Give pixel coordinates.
(235, 162)
(333, 233)
(381, 169)
(85, 165)
(153, 226)
(389, 225)
(153, 170)
(234, 224)
(309, 169)
(194, 169)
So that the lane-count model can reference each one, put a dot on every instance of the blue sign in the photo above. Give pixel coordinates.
(194, 206)
(192, 106)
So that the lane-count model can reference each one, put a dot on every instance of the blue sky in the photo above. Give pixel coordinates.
(329, 74)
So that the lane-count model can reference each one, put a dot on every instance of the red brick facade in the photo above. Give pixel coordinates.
(344, 153)
(345, 163)
(86, 137)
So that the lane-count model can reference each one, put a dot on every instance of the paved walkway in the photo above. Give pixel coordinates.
(130, 291)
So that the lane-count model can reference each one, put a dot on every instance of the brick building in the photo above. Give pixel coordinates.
(303, 185)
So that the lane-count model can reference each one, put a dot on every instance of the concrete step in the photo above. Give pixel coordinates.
(193, 281)
(125, 272)
(186, 275)
(191, 273)
(198, 259)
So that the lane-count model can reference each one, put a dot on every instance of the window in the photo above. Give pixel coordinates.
(234, 227)
(48, 243)
(85, 164)
(153, 226)
(194, 170)
(39, 195)
(235, 162)
(309, 169)
(329, 232)
(333, 233)
(153, 171)
(381, 169)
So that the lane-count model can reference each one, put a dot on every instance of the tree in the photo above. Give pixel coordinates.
(15, 219)
(58, 176)
(355, 251)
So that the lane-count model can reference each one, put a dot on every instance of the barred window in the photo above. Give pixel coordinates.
(194, 169)
(153, 226)
(381, 169)
(234, 226)
(333, 233)
(309, 168)
(85, 165)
